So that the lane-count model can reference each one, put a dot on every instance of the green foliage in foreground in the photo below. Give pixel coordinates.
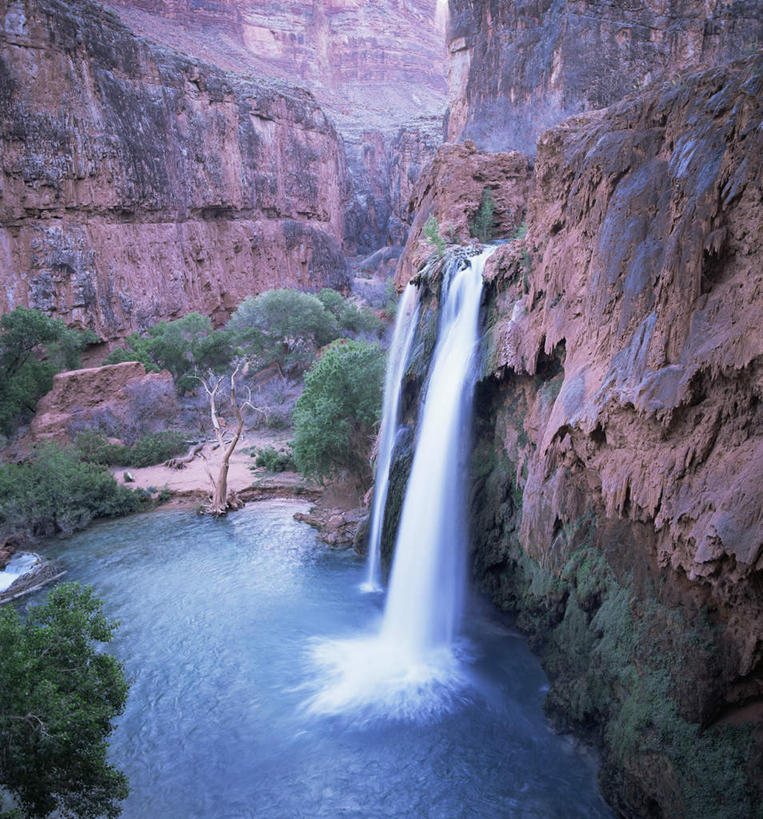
(274, 460)
(338, 412)
(182, 346)
(58, 696)
(432, 233)
(154, 448)
(481, 224)
(351, 317)
(54, 491)
(33, 348)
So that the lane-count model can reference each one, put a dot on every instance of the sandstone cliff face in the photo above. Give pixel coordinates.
(378, 69)
(616, 473)
(138, 184)
(516, 68)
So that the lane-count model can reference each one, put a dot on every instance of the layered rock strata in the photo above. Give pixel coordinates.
(517, 68)
(378, 69)
(616, 493)
(137, 184)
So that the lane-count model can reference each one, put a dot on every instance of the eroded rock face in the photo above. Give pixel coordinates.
(517, 68)
(451, 190)
(616, 494)
(120, 400)
(378, 69)
(138, 184)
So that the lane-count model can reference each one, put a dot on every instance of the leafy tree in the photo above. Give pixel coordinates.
(432, 233)
(481, 225)
(58, 696)
(182, 346)
(338, 412)
(282, 327)
(351, 317)
(33, 348)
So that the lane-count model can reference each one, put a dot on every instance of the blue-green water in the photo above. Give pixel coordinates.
(217, 619)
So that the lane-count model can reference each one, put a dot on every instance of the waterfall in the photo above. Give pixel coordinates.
(405, 325)
(414, 666)
(426, 586)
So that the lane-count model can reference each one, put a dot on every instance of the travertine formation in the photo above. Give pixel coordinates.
(617, 498)
(517, 68)
(137, 184)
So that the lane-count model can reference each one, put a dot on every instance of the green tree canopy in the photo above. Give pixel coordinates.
(182, 346)
(33, 348)
(338, 412)
(58, 696)
(283, 327)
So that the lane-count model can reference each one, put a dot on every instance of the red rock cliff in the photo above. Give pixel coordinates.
(519, 67)
(377, 68)
(138, 184)
(617, 498)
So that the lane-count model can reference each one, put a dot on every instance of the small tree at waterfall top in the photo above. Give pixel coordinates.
(337, 415)
(481, 224)
(432, 233)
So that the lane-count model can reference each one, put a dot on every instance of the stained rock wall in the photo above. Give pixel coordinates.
(517, 68)
(138, 184)
(616, 494)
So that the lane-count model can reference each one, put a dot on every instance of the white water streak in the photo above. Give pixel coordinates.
(405, 325)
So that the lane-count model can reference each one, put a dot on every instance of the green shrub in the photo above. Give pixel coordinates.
(481, 224)
(352, 318)
(54, 491)
(337, 414)
(156, 447)
(282, 327)
(432, 233)
(95, 448)
(182, 347)
(33, 348)
(275, 460)
(59, 695)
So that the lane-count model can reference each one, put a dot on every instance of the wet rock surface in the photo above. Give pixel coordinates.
(616, 500)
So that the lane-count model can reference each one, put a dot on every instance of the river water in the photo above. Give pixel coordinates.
(218, 618)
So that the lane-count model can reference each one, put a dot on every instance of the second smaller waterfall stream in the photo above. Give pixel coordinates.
(405, 324)
(414, 667)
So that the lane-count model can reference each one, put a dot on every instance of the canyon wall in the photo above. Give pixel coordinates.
(616, 496)
(138, 184)
(378, 69)
(517, 68)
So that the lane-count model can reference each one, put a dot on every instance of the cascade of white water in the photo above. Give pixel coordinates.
(413, 668)
(426, 586)
(397, 358)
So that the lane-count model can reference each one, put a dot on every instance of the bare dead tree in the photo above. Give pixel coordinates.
(220, 502)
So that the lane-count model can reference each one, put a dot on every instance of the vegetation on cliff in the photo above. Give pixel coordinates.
(59, 695)
(33, 348)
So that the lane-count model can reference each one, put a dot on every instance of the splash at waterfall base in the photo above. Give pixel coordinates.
(416, 666)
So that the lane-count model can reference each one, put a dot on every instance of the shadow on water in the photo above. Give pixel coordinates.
(218, 620)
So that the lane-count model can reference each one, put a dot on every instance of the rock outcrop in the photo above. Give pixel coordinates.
(138, 184)
(616, 492)
(517, 68)
(120, 400)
